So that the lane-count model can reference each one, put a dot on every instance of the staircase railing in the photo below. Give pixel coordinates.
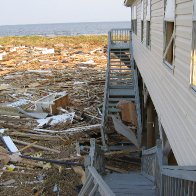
(178, 180)
(120, 35)
(149, 163)
(105, 101)
(94, 183)
(168, 180)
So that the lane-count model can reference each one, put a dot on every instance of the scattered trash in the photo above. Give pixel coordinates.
(48, 101)
(56, 119)
(7, 183)
(90, 62)
(51, 102)
(4, 86)
(2, 55)
(18, 103)
(33, 114)
(10, 144)
(47, 51)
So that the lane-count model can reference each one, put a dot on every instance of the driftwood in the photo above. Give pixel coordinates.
(36, 146)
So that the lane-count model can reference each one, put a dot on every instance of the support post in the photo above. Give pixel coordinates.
(151, 141)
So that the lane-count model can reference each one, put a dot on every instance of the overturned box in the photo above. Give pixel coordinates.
(52, 102)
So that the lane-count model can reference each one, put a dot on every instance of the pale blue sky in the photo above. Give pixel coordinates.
(61, 11)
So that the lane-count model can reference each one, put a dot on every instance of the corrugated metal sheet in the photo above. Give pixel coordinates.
(174, 101)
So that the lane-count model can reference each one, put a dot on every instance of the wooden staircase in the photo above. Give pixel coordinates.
(121, 79)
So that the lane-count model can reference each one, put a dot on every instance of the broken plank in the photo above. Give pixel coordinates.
(115, 169)
(34, 136)
(36, 146)
(124, 130)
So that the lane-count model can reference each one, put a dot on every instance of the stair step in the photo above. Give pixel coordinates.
(112, 104)
(122, 92)
(121, 73)
(113, 110)
(129, 69)
(121, 84)
(118, 99)
(122, 58)
(119, 61)
(119, 65)
(121, 87)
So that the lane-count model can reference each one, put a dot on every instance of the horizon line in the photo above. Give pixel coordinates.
(61, 23)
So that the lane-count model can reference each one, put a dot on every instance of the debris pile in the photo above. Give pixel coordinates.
(50, 100)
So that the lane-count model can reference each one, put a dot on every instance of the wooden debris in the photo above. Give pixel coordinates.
(36, 146)
(115, 169)
(79, 170)
(26, 147)
(124, 130)
(128, 111)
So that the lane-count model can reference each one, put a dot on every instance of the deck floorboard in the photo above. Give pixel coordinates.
(133, 183)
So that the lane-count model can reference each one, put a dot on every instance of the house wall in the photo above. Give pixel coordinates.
(170, 91)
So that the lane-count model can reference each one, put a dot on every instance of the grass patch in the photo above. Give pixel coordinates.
(98, 40)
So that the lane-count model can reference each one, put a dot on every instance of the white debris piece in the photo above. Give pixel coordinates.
(2, 55)
(48, 51)
(56, 119)
(18, 103)
(78, 83)
(14, 49)
(46, 103)
(2, 131)
(90, 62)
(10, 144)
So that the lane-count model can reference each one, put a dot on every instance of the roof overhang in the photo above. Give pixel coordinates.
(128, 3)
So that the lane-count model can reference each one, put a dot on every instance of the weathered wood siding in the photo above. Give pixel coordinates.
(174, 100)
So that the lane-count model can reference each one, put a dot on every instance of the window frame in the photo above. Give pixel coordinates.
(142, 21)
(166, 47)
(193, 55)
(148, 24)
(134, 19)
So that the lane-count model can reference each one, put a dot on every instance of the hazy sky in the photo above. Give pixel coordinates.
(61, 11)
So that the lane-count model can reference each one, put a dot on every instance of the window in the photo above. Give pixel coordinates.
(148, 23)
(134, 20)
(142, 21)
(193, 78)
(169, 33)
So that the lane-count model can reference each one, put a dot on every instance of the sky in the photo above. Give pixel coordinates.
(15, 12)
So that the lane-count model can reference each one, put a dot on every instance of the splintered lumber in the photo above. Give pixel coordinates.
(36, 146)
(72, 130)
(34, 136)
(26, 147)
(124, 130)
(82, 129)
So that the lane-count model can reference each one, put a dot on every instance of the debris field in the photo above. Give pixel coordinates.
(51, 96)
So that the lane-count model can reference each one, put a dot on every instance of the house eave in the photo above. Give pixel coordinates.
(128, 3)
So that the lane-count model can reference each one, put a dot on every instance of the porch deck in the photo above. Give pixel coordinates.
(133, 183)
